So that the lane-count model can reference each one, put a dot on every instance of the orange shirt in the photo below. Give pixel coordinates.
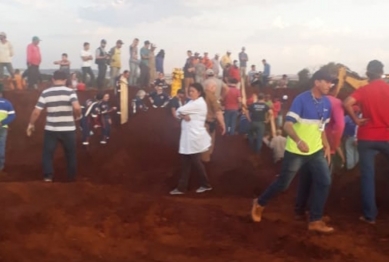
(207, 62)
(19, 81)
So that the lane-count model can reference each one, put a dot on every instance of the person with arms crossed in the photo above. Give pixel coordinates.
(62, 108)
(306, 145)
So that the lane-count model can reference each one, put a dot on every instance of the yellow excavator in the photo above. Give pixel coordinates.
(345, 76)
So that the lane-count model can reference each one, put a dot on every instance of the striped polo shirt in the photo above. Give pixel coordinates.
(309, 116)
(58, 102)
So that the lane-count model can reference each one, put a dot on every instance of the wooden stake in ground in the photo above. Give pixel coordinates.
(123, 101)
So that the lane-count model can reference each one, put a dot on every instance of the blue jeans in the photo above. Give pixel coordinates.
(230, 118)
(367, 151)
(3, 142)
(314, 183)
(68, 141)
(317, 165)
(352, 156)
(133, 73)
(106, 127)
(256, 132)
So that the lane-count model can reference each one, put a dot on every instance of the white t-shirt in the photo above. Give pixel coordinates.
(86, 63)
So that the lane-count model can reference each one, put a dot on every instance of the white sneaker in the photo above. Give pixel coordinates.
(103, 142)
(203, 189)
(176, 192)
(85, 143)
(48, 180)
(91, 133)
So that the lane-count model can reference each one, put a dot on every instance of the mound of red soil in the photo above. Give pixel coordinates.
(119, 208)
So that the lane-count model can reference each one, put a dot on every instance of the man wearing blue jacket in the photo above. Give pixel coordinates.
(7, 115)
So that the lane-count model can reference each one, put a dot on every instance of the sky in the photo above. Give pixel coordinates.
(289, 34)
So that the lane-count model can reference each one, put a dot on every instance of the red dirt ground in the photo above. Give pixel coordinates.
(120, 210)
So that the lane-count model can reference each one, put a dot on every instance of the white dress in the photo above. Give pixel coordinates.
(194, 137)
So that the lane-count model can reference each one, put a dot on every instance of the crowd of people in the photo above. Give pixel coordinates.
(315, 124)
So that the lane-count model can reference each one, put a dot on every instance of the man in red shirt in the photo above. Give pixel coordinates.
(277, 112)
(33, 61)
(232, 102)
(373, 132)
(234, 71)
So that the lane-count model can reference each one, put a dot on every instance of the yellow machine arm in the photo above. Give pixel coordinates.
(344, 76)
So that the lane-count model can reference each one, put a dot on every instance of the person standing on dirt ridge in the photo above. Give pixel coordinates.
(214, 114)
(243, 58)
(34, 59)
(63, 108)
(134, 63)
(115, 61)
(101, 59)
(373, 132)
(306, 145)
(7, 115)
(6, 54)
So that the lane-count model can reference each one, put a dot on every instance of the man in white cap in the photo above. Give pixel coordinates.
(221, 87)
(6, 54)
(215, 65)
(226, 59)
(243, 58)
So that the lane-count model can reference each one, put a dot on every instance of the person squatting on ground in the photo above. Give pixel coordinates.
(158, 98)
(117, 88)
(214, 116)
(106, 120)
(161, 81)
(137, 103)
(232, 103)
(306, 145)
(62, 108)
(256, 115)
(277, 144)
(194, 139)
(373, 132)
(7, 115)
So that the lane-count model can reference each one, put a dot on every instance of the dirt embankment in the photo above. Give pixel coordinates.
(119, 209)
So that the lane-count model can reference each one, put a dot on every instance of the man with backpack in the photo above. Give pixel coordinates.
(102, 63)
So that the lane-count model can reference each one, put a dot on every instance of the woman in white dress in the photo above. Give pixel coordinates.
(194, 139)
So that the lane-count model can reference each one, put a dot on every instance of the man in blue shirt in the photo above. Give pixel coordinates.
(306, 145)
(7, 115)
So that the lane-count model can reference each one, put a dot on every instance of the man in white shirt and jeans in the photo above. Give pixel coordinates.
(6, 54)
(87, 58)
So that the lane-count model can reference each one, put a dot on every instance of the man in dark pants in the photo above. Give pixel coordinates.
(33, 61)
(256, 114)
(373, 132)
(62, 107)
(101, 62)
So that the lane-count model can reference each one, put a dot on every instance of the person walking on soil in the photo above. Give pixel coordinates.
(134, 62)
(34, 59)
(214, 115)
(194, 139)
(306, 146)
(102, 63)
(7, 115)
(62, 108)
(6, 54)
(373, 132)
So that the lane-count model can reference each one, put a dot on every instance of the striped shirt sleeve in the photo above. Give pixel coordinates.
(73, 97)
(41, 102)
(295, 111)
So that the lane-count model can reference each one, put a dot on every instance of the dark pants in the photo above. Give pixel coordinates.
(367, 151)
(256, 132)
(85, 125)
(3, 142)
(144, 78)
(101, 75)
(106, 128)
(68, 141)
(33, 76)
(187, 162)
(230, 118)
(88, 71)
(317, 165)
(9, 68)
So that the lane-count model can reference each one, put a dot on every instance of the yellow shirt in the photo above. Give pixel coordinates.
(116, 58)
(226, 60)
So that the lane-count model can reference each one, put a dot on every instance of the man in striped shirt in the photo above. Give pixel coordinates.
(7, 115)
(62, 108)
